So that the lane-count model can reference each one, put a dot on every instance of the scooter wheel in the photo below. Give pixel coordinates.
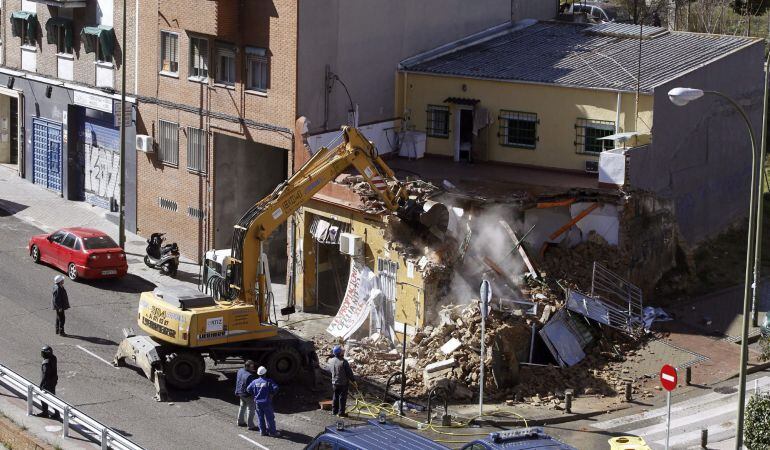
(170, 268)
(147, 261)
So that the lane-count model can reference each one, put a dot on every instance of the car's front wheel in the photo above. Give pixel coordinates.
(72, 272)
(35, 253)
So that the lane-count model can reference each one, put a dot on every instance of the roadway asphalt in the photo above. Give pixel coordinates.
(122, 398)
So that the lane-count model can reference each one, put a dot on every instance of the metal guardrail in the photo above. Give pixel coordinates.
(71, 416)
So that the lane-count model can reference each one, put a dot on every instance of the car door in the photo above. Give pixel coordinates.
(67, 250)
(49, 250)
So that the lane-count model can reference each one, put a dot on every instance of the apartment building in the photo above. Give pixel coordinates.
(223, 83)
(60, 66)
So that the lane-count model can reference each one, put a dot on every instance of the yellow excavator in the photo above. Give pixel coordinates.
(230, 320)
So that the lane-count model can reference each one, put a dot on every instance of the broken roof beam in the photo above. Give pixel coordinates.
(518, 243)
(572, 222)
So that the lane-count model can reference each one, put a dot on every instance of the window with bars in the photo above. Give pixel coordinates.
(225, 64)
(588, 133)
(387, 270)
(169, 58)
(438, 121)
(168, 142)
(518, 129)
(199, 58)
(257, 70)
(196, 150)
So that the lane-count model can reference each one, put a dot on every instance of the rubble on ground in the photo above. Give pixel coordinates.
(575, 265)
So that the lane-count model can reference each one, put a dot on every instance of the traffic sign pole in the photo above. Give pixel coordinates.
(668, 416)
(485, 292)
(668, 379)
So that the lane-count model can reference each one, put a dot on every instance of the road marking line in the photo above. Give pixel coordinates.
(694, 436)
(714, 412)
(675, 407)
(96, 356)
(253, 442)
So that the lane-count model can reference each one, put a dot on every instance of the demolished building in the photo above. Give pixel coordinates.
(565, 152)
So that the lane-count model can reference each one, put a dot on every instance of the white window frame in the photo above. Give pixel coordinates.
(163, 36)
(163, 152)
(226, 51)
(203, 60)
(199, 154)
(259, 56)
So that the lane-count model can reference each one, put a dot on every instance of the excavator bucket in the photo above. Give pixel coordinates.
(142, 352)
(430, 215)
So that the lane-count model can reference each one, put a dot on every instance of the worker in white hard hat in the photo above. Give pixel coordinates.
(263, 389)
(60, 303)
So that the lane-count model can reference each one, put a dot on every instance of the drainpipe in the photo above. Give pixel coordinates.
(617, 113)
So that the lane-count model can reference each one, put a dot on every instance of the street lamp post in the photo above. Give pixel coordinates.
(680, 97)
(122, 221)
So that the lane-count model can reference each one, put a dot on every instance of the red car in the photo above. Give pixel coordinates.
(81, 252)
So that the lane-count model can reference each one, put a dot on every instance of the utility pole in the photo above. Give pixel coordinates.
(122, 225)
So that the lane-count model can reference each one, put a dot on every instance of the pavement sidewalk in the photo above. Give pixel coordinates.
(48, 211)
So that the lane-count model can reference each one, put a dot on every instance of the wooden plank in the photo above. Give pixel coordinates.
(520, 248)
(554, 204)
(572, 222)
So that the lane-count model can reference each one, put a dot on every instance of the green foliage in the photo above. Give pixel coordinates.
(757, 426)
(764, 346)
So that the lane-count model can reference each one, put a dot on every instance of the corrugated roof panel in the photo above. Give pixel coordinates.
(564, 54)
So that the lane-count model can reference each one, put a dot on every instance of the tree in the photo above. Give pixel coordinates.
(757, 429)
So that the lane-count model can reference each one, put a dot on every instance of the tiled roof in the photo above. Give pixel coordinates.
(579, 55)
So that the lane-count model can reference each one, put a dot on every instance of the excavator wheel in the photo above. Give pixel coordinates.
(184, 370)
(283, 364)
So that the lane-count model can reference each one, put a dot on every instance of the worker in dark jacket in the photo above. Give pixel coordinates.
(263, 389)
(246, 375)
(342, 376)
(60, 303)
(49, 377)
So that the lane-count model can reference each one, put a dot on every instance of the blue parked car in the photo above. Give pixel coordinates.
(373, 436)
(520, 439)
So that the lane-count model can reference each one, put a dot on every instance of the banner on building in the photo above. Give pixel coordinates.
(359, 297)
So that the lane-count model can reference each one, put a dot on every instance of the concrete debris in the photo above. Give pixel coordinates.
(450, 346)
(440, 365)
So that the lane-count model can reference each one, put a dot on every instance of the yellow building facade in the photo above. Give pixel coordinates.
(560, 115)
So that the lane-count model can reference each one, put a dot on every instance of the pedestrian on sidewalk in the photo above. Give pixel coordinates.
(342, 377)
(49, 377)
(245, 376)
(60, 303)
(263, 389)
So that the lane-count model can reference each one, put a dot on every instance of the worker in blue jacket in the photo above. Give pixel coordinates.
(263, 389)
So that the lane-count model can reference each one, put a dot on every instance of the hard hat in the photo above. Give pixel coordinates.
(337, 350)
(46, 351)
(58, 279)
(261, 371)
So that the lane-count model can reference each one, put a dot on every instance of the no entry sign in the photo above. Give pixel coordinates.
(668, 377)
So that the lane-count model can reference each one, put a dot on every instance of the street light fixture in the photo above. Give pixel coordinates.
(680, 97)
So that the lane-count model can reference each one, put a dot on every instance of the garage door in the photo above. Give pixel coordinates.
(47, 154)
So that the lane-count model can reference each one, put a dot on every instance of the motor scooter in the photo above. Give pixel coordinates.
(162, 257)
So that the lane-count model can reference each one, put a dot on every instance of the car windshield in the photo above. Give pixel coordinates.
(93, 243)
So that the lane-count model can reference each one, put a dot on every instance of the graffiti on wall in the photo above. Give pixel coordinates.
(101, 144)
(102, 173)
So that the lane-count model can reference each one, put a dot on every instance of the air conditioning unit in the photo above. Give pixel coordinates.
(351, 244)
(592, 166)
(144, 143)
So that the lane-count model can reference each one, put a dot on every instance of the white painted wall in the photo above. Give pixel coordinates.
(382, 134)
(29, 59)
(104, 9)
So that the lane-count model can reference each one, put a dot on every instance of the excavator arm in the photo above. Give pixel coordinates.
(245, 281)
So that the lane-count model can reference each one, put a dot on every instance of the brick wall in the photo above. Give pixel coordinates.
(270, 25)
(84, 70)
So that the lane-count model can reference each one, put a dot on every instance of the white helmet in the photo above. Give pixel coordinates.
(261, 371)
(58, 279)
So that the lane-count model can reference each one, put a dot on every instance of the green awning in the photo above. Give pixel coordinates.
(105, 36)
(51, 34)
(20, 19)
